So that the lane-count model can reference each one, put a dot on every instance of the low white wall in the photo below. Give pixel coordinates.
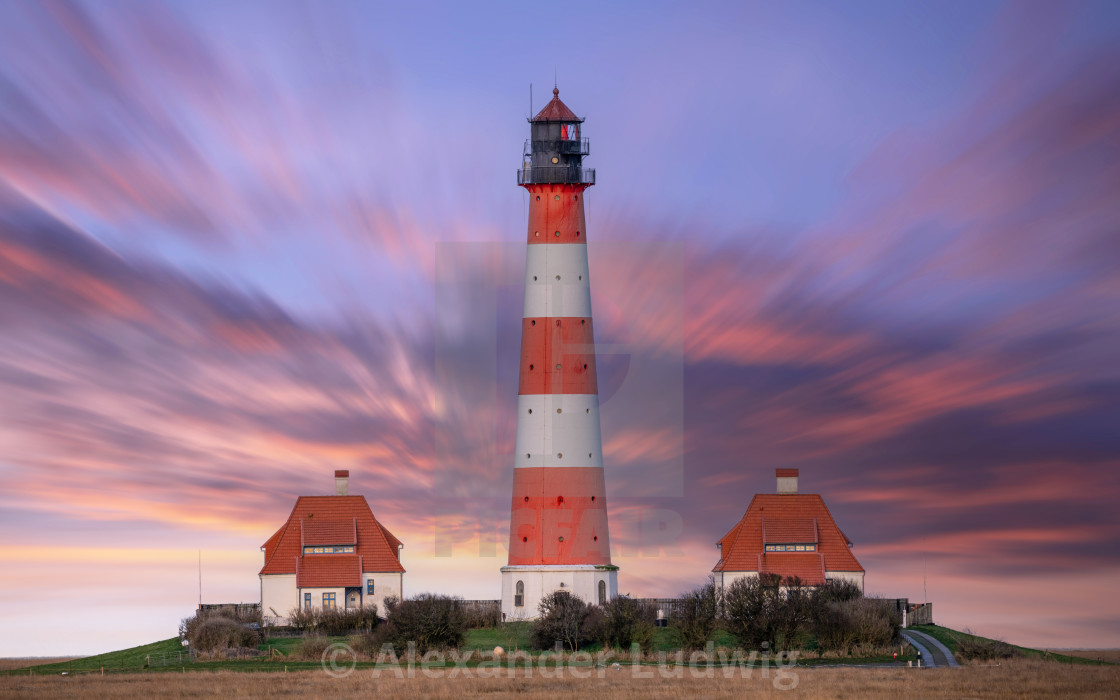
(539, 581)
(384, 585)
(855, 577)
(279, 593)
(278, 596)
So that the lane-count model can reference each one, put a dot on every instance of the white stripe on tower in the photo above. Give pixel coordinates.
(558, 430)
(557, 281)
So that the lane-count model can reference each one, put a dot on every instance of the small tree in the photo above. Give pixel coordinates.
(430, 621)
(217, 633)
(875, 622)
(696, 614)
(561, 620)
(837, 590)
(791, 613)
(626, 622)
(749, 607)
(303, 619)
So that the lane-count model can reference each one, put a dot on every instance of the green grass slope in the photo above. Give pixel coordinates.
(164, 655)
(953, 638)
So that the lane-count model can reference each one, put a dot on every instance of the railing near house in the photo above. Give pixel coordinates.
(170, 658)
(482, 613)
(236, 609)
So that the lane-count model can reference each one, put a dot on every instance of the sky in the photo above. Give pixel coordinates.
(245, 244)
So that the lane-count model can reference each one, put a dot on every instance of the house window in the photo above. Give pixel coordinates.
(791, 548)
(307, 601)
(369, 587)
(328, 601)
(602, 593)
(519, 596)
(335, 549)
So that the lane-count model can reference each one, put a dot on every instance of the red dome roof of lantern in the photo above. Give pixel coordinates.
(556, 111)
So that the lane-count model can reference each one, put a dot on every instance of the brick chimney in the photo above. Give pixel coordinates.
(787, 480)
(342, 482)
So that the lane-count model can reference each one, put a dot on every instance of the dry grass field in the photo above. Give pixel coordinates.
(1012, 680)
(6, 664)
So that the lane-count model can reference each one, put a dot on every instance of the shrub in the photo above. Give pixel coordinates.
(215, 633)
(696, 615)
(750, 609)
(479, 615)
(625, 622)
(430, 621)
(227, 628)
(311, 648)
(864, 624)
(334, 623)
(561, 620)
(781, 613)
(875, 623)
(833, 629)
(837, 591)
(979, 649)
(303, 619)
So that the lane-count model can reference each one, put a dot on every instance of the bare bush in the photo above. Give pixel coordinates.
(875, 623)
(227, 628)
(561, 620)
(311, 648)
(865, 625)
(750, 607)
(216, 633)
(625, 622)
(303, 619)
(837, 591)
(430, 621)
(696, 615)
(970, 648)
(783, 614)
(334, 623)
(480, 614)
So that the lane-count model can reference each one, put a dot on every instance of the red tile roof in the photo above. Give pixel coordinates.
(785, 515)
(324, 516)
(556, 111)
(789, 530)
(808, 566)
(329, 531)
(324, 570)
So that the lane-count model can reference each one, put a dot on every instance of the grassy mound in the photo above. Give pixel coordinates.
(965, 645)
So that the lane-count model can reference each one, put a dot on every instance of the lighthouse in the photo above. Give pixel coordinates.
(558, 537)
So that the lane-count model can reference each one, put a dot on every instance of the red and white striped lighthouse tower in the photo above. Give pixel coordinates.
(558, 538)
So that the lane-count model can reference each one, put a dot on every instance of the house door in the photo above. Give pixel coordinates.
(353, 597)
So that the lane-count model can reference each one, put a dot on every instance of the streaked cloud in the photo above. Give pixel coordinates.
(230, 267)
